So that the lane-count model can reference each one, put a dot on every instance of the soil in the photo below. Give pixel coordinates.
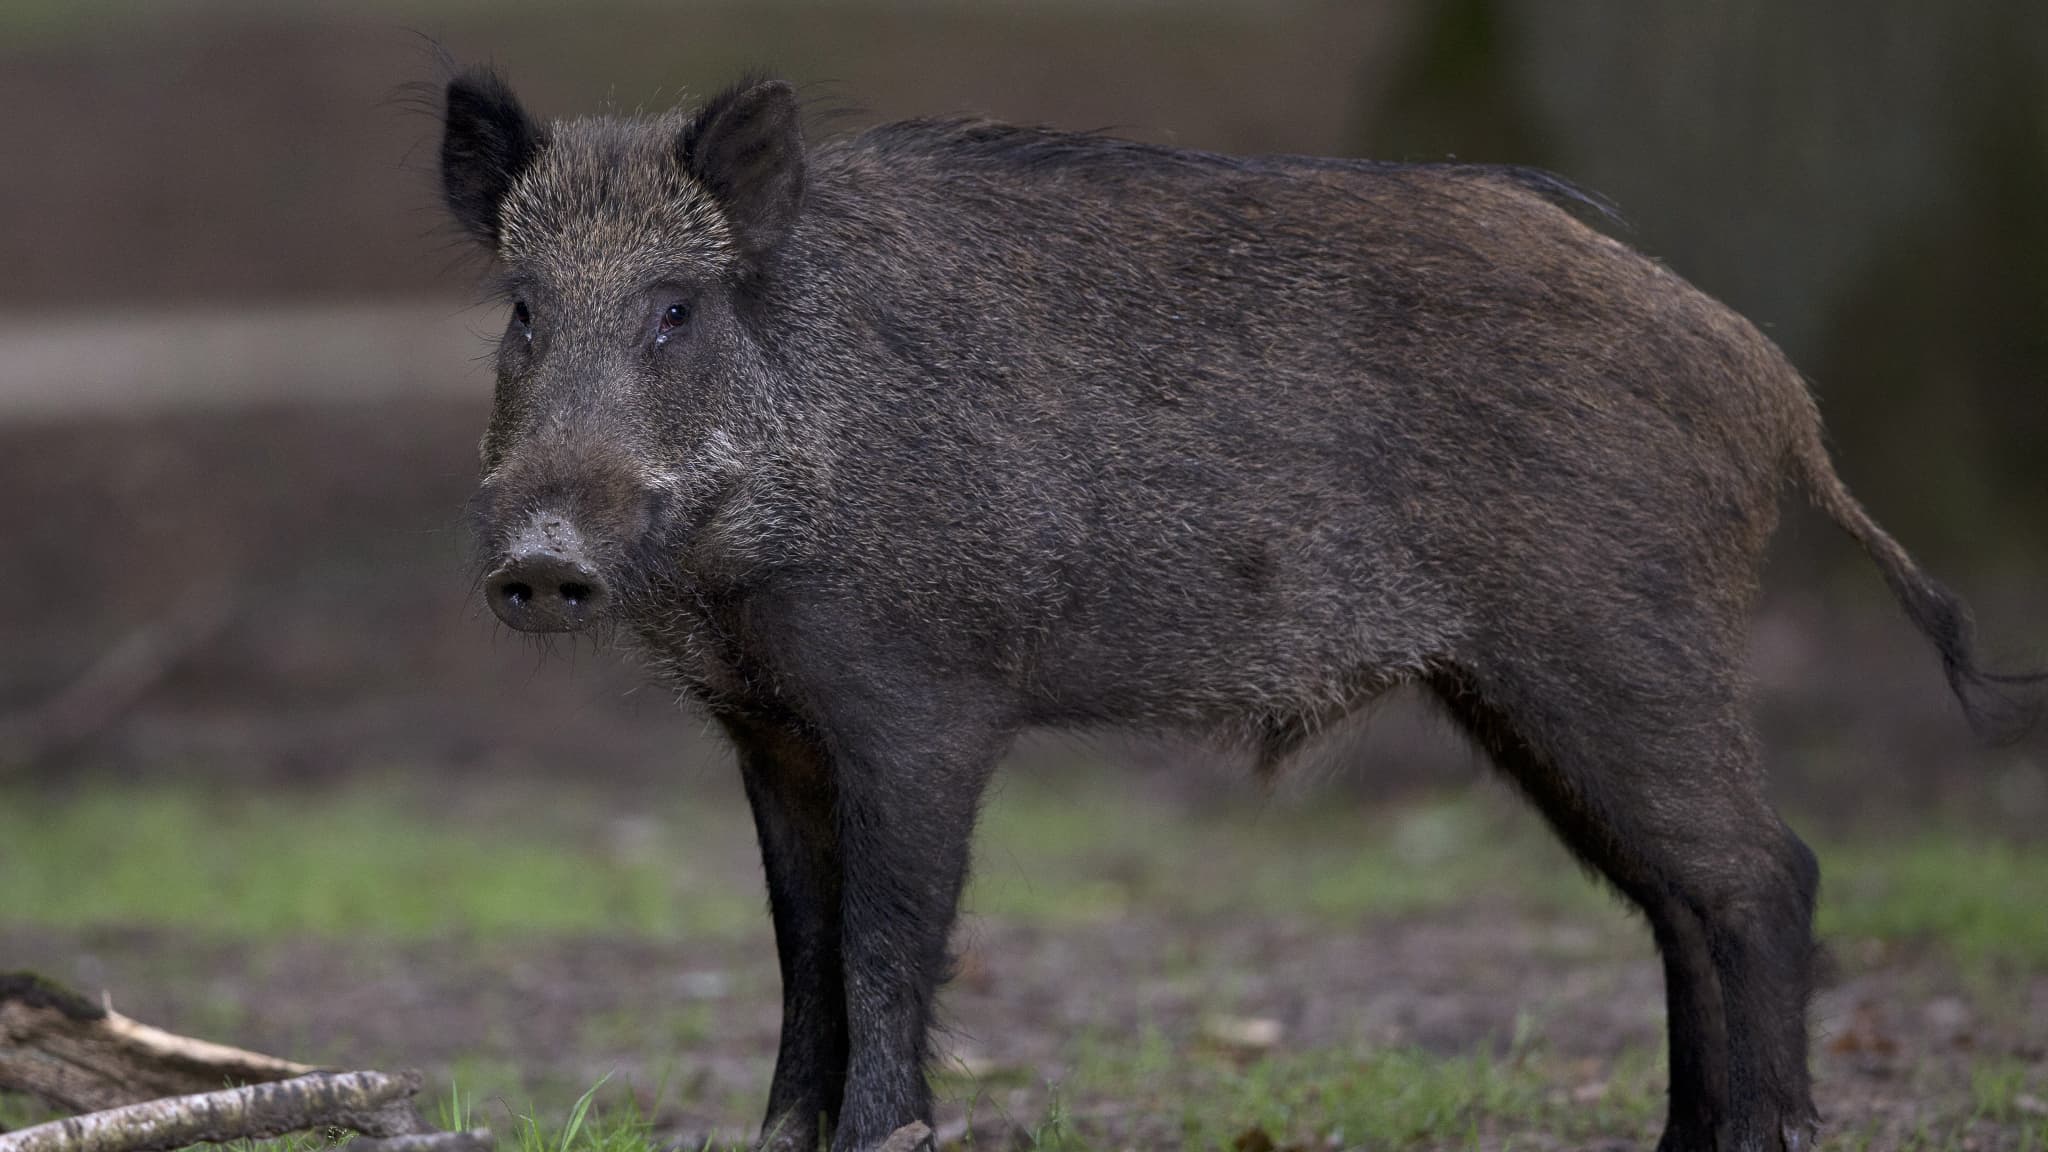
(1898, 1033)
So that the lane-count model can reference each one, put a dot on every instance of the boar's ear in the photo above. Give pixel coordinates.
(487, 140)
(746, 147)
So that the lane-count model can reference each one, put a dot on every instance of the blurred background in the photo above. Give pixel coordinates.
(240, 376)
(242, 379)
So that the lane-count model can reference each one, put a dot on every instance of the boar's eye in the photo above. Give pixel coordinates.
(522, 318)
(673, 317)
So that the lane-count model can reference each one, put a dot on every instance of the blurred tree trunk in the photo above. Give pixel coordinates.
(1935, 363)
(1456, 95)
(1867, 180)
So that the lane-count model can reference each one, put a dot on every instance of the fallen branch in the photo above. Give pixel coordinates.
(372, 1103)
(78, 1056)
(143, 1089)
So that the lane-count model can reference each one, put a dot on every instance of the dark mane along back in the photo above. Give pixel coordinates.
(1026, 149)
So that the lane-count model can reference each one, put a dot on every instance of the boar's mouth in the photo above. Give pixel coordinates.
(561, 556)
(556, 570)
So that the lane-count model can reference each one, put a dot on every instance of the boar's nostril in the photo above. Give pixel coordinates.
(546, 586)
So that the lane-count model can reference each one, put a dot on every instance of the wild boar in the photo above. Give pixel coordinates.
(886, 448)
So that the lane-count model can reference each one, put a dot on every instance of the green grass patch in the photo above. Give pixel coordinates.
(1054, 853)
(366, 861)
(1207, 1098)
(1100, 849)
(18, 1112)
(1998, 1086)
(1987, 900)
(1066, 847)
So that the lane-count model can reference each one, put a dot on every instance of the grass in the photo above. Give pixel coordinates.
(1210, 1100)
(400, 862)
(1214, 1098)
(1125, 1092)
(1050, 855)
(374, 861)
(387, 861)
(20, 1112)
(1986, 900)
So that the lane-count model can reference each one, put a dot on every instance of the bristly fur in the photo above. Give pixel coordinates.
(744, 146)
(606, 203)
(1027, 147)
(891, 446)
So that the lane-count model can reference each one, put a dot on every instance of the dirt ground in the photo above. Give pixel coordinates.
(1902, 1034)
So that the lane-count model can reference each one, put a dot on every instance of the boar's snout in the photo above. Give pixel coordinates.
(547, 583)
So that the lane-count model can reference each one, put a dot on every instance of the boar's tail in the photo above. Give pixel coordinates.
(2000, 706)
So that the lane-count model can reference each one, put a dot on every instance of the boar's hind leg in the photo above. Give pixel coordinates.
(791, 793)
(1668, 808)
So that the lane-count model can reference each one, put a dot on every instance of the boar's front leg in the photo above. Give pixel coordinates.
(910, 731)
(790, 788)
(906, 814)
